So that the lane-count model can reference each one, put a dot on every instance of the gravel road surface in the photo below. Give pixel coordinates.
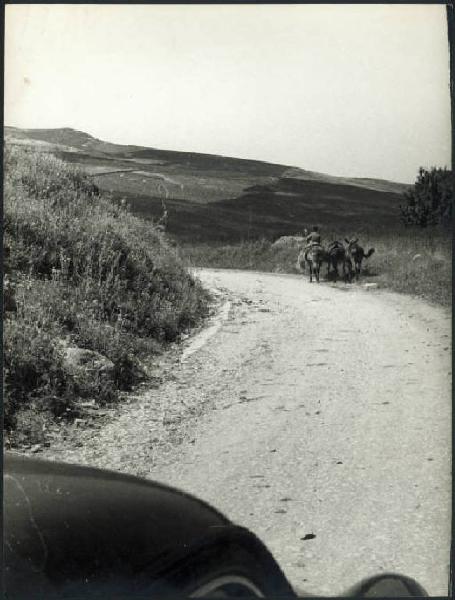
(319, 416)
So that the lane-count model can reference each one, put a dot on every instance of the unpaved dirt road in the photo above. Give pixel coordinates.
(319, 416)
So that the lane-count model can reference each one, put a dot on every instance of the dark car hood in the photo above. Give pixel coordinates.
(62, 520)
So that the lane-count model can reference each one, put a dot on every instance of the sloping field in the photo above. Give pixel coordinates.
(217, 198)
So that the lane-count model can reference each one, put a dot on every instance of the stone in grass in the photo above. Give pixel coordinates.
(88, 404)
(78, 360)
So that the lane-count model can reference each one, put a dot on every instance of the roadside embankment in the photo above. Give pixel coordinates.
(90, 292)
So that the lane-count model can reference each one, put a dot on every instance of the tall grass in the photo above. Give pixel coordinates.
(411, 261)
(84, 273)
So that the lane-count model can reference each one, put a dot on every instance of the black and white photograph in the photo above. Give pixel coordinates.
(227, 295)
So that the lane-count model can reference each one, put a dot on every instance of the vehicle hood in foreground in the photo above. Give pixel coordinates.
(63, 520)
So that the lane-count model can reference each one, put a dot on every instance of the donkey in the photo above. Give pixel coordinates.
(356, 253)
(336, 256)
(315, 255)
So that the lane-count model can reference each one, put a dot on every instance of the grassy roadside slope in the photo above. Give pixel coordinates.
(81, 273)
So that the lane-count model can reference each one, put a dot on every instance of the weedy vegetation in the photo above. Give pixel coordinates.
(81, 272)
(412, 261)
(414, 258)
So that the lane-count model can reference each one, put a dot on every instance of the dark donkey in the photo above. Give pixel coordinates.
(337, 256)
(356, 253)
(315, 255)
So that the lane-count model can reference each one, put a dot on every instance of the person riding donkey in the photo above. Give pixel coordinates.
(313, 239)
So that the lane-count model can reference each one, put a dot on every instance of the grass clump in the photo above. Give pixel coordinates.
(83, 272)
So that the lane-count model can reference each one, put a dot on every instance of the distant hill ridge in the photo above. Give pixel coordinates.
(212, 197)
(79, 140)
(382, 185)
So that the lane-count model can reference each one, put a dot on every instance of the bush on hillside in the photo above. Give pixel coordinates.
(430, 201)
(84, 271)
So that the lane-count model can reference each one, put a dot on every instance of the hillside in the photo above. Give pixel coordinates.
(91, 295)
(217, 198)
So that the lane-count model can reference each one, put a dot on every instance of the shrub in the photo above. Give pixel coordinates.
(430, 201)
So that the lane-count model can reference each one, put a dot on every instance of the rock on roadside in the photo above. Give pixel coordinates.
(77, 360)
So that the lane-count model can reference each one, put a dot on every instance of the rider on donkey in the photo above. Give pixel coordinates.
(313, 239)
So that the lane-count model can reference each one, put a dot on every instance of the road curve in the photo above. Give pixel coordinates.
(317, 415)
(329, 431)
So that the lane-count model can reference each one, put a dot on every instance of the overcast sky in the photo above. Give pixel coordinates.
(359, 90)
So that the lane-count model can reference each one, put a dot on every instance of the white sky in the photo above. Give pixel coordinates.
(359, 90)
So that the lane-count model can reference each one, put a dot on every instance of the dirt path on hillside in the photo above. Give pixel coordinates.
(319, 416)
